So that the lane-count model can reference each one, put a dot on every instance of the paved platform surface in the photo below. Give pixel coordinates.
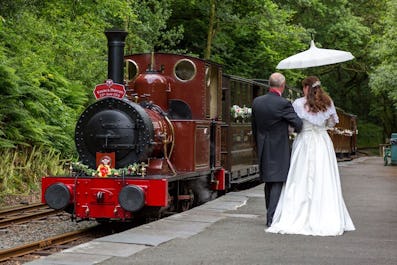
(230, 230)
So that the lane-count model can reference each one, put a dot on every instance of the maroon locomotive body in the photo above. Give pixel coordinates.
(157, 148)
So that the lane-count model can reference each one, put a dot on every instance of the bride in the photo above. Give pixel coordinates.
(311, 201)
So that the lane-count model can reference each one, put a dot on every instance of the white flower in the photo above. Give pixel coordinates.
(241, 112)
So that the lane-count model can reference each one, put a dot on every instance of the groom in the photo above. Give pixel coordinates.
(271, 115)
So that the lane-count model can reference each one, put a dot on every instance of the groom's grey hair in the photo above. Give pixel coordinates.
(276, 80)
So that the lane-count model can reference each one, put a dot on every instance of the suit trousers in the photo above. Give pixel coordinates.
(272, 195)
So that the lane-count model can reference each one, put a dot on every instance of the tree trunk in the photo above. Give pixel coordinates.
(210, 35)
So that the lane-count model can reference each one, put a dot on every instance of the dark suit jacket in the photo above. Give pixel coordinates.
(271, 115)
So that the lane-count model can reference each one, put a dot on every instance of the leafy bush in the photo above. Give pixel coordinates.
(369, 134)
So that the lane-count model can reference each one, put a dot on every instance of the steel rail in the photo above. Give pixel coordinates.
(18, 251)
(12, 210)
(24, 214)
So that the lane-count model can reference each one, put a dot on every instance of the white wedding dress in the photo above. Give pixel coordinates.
(311, 201)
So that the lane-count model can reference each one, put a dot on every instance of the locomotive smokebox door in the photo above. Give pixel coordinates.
(114, 126)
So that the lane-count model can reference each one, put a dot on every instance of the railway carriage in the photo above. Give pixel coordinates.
(344, 135)
(237, 153)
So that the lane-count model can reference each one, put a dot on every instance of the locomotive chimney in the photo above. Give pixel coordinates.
(116, 43)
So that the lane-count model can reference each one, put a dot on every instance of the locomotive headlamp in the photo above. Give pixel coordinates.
(132, 198)
(57, 196)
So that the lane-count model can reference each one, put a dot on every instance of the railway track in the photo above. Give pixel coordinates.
(33, 250)
(46, 246)
(23, 214)
(13, 217)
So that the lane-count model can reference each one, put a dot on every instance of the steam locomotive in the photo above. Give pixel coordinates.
(166, 133)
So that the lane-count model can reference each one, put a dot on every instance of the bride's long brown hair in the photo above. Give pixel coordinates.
(316, 99)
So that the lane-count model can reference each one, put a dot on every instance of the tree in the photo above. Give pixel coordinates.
(383, 75)
(354, 26)
(54, 54)
(244, 36)
(211, 31)
(149, 31)
(333, 25)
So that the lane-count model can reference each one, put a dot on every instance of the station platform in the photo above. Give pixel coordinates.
(230, 230)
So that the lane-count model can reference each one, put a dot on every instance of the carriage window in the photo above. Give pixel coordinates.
(185, 70)
(131, 70)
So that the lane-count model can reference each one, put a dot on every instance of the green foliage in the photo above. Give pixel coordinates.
(38, 108)
(7, 86)
(258, 44)
(383, 74)
(335, 25)
(367, 29)
(369, 134)
(21, 169)
(54, 55)
(249, 37)
(384, 80)
(150, 31)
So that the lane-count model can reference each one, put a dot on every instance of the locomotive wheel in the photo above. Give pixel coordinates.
(185, 205)
(185, 201)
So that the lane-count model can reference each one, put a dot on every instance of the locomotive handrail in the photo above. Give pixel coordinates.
(166, 154)
(172, 134)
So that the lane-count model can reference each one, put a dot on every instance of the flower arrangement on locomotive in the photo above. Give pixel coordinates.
(104, 170)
